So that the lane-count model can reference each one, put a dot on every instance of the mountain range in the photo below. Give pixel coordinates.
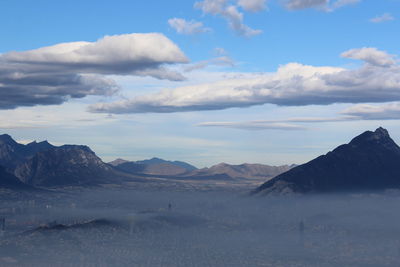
(183, 170)
(368, 162)
(371, 161)
(41, 164)
(12, 153)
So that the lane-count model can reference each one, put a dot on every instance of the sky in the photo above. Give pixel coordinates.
(207, 81)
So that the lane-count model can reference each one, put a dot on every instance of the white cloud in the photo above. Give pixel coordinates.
(223, 61)
(386, 111)
(119, 54)
(70, 115)
(252, 5)
(230, 13)
(187, 27)
(382, 18)
(219, 51)
(325, 5)
(235, 21)
(371, 55)
(341, 3)
(253, 125)
(213, 7)
(303, 4)
(293, 84)
(52, 75)
(282, 124)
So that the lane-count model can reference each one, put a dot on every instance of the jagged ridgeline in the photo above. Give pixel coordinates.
(42, 164)
(371, 161)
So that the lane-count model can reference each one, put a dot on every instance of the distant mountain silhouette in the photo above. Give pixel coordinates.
(117, 162)
(371, 161)
(183, 170)
(181, 164)
(154, 166)
(243, 171)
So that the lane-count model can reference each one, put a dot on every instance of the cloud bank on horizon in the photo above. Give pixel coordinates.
(293, 84)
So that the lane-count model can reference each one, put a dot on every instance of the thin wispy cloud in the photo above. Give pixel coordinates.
(341, 3)
(324, 5)
(252, 5)
(386, 111)
(303, 4)
(223, 61)
(183, 26)
(281, 124)
(231, 14)
(254, 125)
(382, 18)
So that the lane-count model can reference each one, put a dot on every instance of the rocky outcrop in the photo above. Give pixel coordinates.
(65, 165)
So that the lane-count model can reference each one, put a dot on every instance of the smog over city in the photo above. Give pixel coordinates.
(200, 133)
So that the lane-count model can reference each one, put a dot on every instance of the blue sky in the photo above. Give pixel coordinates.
(211, 81)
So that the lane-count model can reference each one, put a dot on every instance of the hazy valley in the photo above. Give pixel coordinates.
(63, 206)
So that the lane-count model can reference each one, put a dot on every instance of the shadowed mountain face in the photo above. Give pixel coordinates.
(65, 165)
(42, 164)
(12, 153)
(371, 161)
(9, 181)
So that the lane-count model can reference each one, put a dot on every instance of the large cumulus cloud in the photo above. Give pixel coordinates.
(51, 75)
(293, 84)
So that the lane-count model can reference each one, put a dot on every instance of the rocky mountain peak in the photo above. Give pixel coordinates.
(369, 162)
(379, 137)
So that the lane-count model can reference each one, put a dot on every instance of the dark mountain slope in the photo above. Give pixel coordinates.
(9, 181)
(13, 154)
(371, 161)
